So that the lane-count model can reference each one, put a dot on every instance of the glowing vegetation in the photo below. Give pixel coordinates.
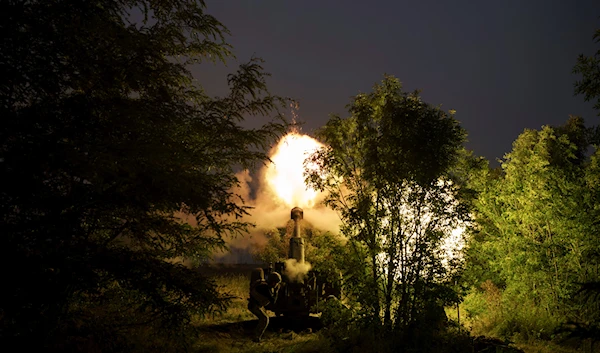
(397, 201)
(536, 244)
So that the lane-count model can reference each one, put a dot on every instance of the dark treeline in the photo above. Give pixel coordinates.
(107, 146)
(116, 165)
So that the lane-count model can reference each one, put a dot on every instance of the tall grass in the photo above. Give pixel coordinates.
(487, 312)
(238, 287)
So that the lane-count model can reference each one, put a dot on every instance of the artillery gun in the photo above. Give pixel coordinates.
(300, 295)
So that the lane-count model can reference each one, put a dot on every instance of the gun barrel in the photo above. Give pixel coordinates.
(296, 241)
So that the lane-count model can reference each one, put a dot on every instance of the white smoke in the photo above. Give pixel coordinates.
(269, 211)
(296, 271)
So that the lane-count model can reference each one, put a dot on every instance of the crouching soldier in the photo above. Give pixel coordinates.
(263, 293)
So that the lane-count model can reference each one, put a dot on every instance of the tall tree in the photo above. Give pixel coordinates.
(105, 139)
(387, 171)
(537, 229)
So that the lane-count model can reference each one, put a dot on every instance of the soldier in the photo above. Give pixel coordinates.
(263, 293)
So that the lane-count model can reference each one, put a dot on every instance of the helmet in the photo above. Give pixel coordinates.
(274, 277)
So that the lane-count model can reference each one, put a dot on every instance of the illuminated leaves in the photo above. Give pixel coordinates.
(386, 170)
(535, 227)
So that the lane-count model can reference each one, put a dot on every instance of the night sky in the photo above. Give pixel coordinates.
(503, 65)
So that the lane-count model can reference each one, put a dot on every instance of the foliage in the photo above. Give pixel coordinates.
(536, 233)
(589, 69)
(113, 159)
(327, 254)
(346, 333)
(237, 287)
(536, 240)
(386, 170)
(276, 248)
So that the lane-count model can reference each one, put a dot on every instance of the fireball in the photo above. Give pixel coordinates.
(285, 176)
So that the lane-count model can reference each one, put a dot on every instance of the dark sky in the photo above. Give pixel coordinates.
(503, 65)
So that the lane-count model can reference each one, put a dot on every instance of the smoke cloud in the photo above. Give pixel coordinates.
(295, 270)
(271, 204)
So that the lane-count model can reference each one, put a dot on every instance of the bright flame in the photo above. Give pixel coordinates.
(285, 176)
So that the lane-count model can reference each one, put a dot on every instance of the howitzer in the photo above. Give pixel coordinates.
(300, 295)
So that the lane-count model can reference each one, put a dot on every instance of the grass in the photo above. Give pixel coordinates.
(272, 342)
(547, 347)
(237, 285)
(484, 325)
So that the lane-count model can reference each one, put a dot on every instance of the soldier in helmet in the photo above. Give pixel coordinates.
(263, 293)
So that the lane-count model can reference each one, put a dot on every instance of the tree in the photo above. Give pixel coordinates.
(387, 171)
(589, 69)
(537, 230)
(106, 139)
